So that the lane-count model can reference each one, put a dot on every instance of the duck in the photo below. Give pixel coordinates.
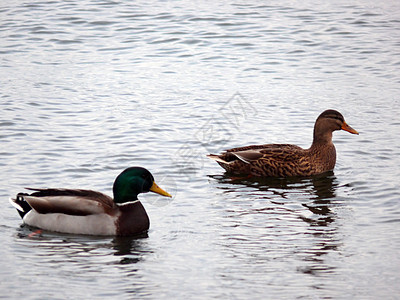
(287, 160)
(88, 212)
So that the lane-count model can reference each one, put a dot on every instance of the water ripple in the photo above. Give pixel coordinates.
(90, 88)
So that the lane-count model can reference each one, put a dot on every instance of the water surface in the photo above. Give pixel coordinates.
(89, 88)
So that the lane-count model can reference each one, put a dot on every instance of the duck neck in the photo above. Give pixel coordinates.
(120, 197)
(323, 150)
(321, 138)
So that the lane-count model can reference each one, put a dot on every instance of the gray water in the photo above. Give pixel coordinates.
(89, 88)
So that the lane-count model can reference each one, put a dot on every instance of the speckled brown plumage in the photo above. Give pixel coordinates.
(285, 160)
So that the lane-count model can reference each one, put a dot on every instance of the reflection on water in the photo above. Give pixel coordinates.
(87, 260)
(287, 199)
(319, 188)
(129, 248)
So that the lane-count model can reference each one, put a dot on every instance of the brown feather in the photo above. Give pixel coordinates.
(68, 201)
(285, 160)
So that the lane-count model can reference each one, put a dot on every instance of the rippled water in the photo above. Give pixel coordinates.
(89, 88)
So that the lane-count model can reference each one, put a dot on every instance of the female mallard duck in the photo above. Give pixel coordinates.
(91, 212)
(284, 160)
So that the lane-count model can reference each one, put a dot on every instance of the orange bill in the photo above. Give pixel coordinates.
(348, 128)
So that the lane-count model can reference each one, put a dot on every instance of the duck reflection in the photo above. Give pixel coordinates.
(130, 248)
(323, 191)
(319, 189)
(286, 196)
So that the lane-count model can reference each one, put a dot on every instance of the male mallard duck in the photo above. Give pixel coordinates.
(91, 212)
(284, 160)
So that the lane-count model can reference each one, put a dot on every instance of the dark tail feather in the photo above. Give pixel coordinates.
(20, 204)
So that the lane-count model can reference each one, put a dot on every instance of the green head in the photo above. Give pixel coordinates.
(133, 181)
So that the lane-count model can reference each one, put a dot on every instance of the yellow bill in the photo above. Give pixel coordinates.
(156, 189)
